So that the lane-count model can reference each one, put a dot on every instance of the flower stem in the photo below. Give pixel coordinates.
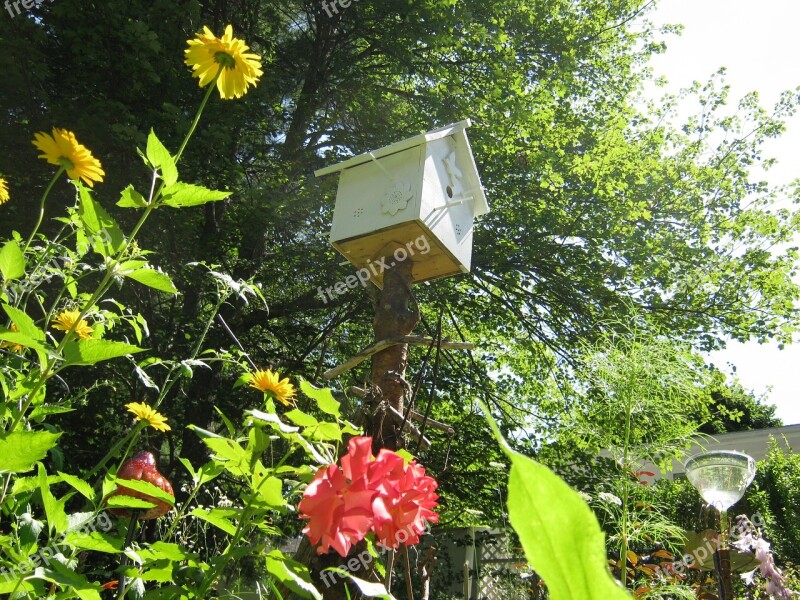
(41, 207)
(197, 116)
(125, 546)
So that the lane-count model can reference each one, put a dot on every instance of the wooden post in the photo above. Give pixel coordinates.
(396, 314)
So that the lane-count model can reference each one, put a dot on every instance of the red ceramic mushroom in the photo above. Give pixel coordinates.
(142, 467)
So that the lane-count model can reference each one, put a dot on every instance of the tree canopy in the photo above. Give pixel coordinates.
(597, 202)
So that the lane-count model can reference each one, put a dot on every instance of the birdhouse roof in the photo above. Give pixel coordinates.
(457, 130)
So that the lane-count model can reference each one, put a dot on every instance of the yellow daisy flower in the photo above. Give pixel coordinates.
(271, 383)
(3, 191)
(63, 149)
(240, 69)
(66, 319)
(15, 347)
(144, 412)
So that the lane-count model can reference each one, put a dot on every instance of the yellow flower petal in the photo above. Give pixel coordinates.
(144, 412)
(3, 191)
(63, 150)
(14, 346)
(67, 319)
(238, 69)
(271, 383)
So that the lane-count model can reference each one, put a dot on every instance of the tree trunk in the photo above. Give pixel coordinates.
(396, 314)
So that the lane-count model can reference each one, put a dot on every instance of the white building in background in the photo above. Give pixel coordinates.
(754, 442)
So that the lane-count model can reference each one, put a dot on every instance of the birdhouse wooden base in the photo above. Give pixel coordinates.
(384, 248)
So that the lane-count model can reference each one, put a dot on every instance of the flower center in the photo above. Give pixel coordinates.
(225, 59)
(66, 163)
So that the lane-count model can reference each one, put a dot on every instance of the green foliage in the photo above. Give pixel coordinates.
(732, 408)
(558, 531)
(636, 395)
(596, 203)
(775, 495)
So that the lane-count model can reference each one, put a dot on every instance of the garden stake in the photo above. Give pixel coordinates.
(409, 587)
(125, 546)
(387, 582)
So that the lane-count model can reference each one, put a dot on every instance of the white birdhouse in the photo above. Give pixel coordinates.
(413, 200)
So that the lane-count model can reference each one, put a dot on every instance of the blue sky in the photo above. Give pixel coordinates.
(758, 44)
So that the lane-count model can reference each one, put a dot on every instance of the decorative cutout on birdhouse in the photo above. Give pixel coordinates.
(413, 200)
(453, 173)
(396, 198)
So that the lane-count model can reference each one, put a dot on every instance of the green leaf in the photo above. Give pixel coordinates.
(21, 449)
(184, 194)
(38, 413)
(69, 579)
(324, 432)
(54, 509)
(218, 517)
(10, 585)
(96, 541)
(298, 417)
(123, 501)
(130, 198)
(24, 323)
(154, 279)
(89, 352)
(160, 158)
(368, 589)
(561, 537)
(292, 574)
(145, 487)
(322, 396)
(228, 424)
(28, 342)
(269, 489)
(83, 488)
(159, 550)
(129, 266)
(102, 230)
(273, 420)
(12, 261)
(232, 456)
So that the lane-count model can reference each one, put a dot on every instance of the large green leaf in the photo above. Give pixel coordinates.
(160, 158)
(124, 501)
(561, 537)
(69, 579)
(102, 231)
(12, 261)
(21, 449)
(369, 589)
(292, 574)
(28, 342)
(53, 507)
(145, 487)
(154, 279)
(130, 198)
(96, 541)
(322, 396)
(89, 352)
(185, 194)
(25, 324)
(79, 484)
(218, 517)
